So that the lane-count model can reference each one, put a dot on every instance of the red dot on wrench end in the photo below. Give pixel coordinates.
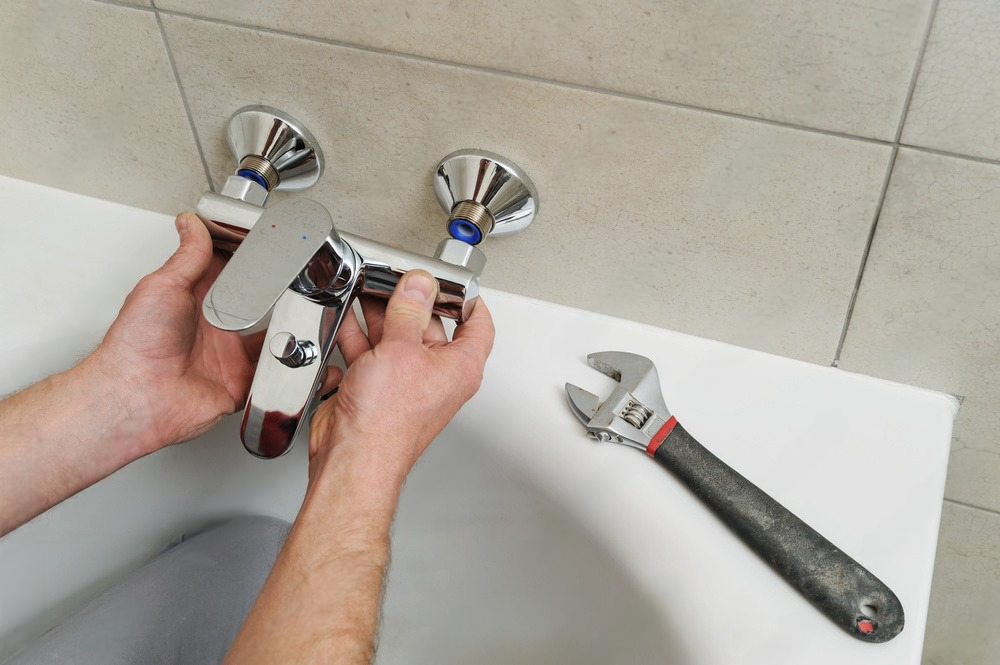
(866, 626)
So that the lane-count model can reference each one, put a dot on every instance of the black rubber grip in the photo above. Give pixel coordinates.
(840, 587)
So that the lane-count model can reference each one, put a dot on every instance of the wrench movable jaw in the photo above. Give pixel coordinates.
(585, 404)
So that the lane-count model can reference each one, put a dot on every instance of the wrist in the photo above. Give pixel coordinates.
(338, 446)
(365, 474)
(119, 406)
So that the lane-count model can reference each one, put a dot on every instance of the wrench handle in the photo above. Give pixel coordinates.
(840, 587)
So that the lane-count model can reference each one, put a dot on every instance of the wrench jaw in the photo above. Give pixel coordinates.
(583, 403)
(586, 406)
(633, 413)
(636, 374)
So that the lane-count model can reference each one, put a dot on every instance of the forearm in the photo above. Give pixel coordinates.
(320, 603)
(62, 435)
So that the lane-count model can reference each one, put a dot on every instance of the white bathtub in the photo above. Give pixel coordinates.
(518, 539)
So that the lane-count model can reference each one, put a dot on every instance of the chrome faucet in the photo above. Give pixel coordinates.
(295, 274)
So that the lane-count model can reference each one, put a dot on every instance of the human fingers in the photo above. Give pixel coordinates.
(253, 345)
(408, 313)
(475, 336)
(374, 313)
(192, 258)
(332, 376)
(352, 339)
(435, 332)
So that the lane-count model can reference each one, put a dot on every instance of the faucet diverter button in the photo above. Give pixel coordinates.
(291, 352)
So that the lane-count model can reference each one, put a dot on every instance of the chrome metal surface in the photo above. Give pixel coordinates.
(291, 352)
(244, 189)
(491, 180)
(281, 397)
(462, 254)
(228, 219)
(281, 140)
(383, 266)
(635, 410)
(291, 239)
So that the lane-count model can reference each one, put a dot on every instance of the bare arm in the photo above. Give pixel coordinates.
(161, 375)
(321, 602)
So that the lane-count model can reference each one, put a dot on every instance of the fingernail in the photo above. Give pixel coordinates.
(182, 225)
(418, 286)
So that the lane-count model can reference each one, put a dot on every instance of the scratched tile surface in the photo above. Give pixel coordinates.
(928, 312)
(965, 599)
(836, 65)
(956, 102)
(721, 227)
(91, 104)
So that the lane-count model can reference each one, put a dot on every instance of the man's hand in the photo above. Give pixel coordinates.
(404, 383)
(178, 375)
(405, 380)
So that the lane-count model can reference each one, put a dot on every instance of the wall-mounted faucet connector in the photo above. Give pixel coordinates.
(273, 149)
(484, 194)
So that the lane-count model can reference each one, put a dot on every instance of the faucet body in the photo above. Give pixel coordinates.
(293, 274)
(291, 263)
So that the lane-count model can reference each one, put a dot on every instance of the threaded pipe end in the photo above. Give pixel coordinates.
(262, 168)
(470, 222)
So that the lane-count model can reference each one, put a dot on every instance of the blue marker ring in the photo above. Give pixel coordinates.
(466, 231)
(252, 175)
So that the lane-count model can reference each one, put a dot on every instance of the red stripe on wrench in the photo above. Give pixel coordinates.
(658, 438)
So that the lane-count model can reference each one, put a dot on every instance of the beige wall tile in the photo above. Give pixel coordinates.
(835, 65)
(956, 102)
(974, 465)
(965, 598)
(725, 228)
(928, 312)
(90, 104)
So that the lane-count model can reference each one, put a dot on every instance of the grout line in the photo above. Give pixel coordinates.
(885, 184)
(916, 70)
(953, 155)
(531, 79)
(127, 5)
(864, 256)
(973, 506)
(184, 101)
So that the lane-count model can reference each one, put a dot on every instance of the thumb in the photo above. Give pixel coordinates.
(409, 310)
(190, 262)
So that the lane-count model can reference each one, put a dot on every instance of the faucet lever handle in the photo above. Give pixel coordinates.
(273, 254)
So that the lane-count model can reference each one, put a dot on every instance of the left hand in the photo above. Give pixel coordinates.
(178, 375)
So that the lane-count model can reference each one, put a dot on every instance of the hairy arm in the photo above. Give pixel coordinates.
(161, 375)
(61, 435)
(404, 383)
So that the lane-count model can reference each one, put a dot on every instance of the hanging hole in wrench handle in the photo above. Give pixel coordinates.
(837, 585)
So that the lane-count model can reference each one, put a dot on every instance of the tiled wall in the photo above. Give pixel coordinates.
(735, 170)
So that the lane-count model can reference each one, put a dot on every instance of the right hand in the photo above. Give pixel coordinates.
(405, 380)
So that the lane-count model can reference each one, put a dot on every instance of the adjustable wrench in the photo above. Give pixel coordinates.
(635, 415)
